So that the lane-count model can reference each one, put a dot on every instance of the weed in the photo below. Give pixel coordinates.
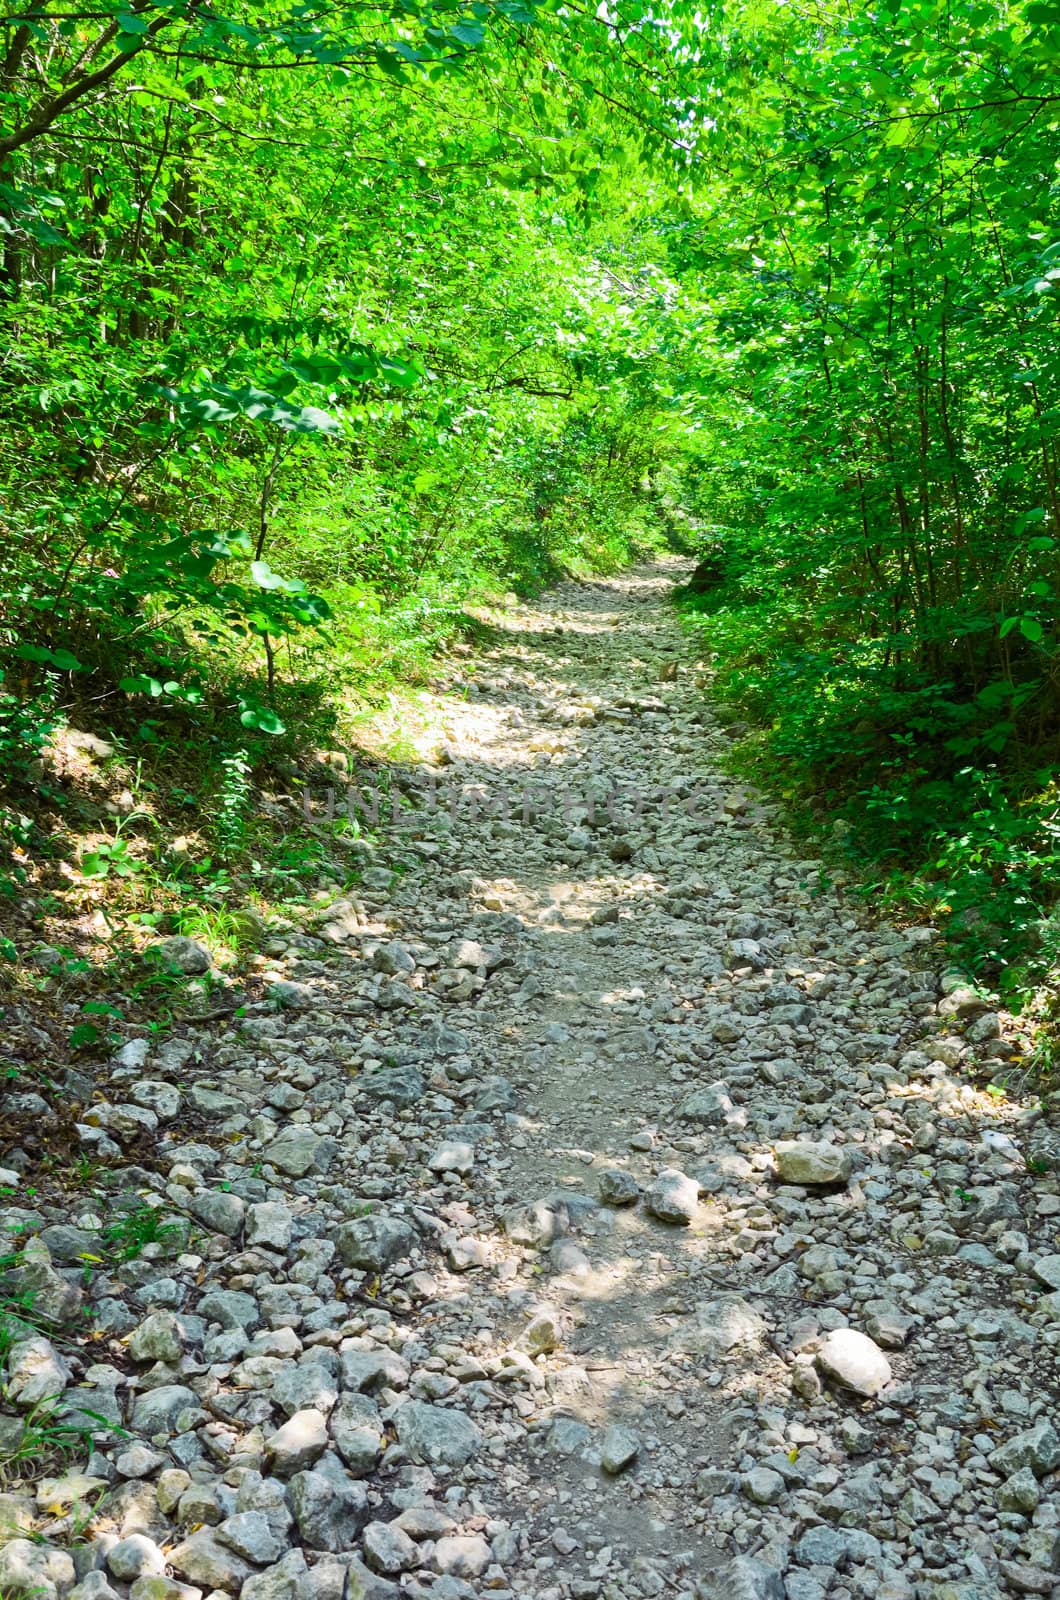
(113, 857)
(48, 1437)
(214, 927)
(127, 1237)
(88, 1035)
(17, 1317)
(235, 791)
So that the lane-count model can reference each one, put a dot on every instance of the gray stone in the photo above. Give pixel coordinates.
(544, 1331)
(374, 1242)
(464, 1255)
(231, 1308)
(724, 1322)
(673, 1197)
(153, 1587)
(364, 1584)
(762, 1485)
(455, 1155)
(94, 1586)
(284, 1581)
(388, 1549)
(889, 1327)
(495, 1094)
(393, 958)
(823, 1547)
(708, 1107)
(1047, 1271)
(1023, 1578)
(164, 1099)
(214, 1103)
(158, 1338)
(251, 1535)
(569, 1437)
(294, 1150)
(535, 1225)
(810, 1162)
(618, 1188)
(367, 1370)
(330, 1513)
(302, 1440)
(69, 1245)
(36, 1570)
(619, 1448)
(158, 1410)
(180, 954)
(402, 1086)
(54, 1300)
(138, 1461)
(304, 1386)
(854, 1361)
(1020, 1492)
(135, 1557)
(462, 1555)
(206, 1560)
(1037, 1448)
(435, 1435)
(283, 992)
(269, 1223)
(35, 1371)
(425, 1522)
(744, 1578)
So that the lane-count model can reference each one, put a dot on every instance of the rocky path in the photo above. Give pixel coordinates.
(598, 1205)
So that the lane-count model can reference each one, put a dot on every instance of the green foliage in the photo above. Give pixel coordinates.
(318, 327)
(298, 360)
(232, 803)
(47, 1437)
(17, 1320)
(126, 1237)
(878, 473)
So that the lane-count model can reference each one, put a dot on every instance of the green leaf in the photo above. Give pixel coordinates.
(1031, 629)
(141, 684)
(85, 1034)
(219, 404)
(469, 33)
(260, 717)
(62, 659)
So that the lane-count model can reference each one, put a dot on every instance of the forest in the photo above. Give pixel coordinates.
(323, 321)
(650, 407)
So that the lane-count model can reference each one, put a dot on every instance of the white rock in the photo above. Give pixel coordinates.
(853, 1360)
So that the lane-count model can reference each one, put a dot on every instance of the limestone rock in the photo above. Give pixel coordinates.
(854, 1361)
(811, 1162)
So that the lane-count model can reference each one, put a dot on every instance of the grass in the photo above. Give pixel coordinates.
(127, 1238)
(48, 1441)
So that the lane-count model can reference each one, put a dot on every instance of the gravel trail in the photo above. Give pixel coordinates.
(598, 1204)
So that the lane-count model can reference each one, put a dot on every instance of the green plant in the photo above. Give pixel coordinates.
(47, 1437)
(127, 1236)
(88, 1035)
(18, 1318)
(233, 798)
(114, 857)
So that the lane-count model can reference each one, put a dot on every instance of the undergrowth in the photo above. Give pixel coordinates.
(922, 790)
